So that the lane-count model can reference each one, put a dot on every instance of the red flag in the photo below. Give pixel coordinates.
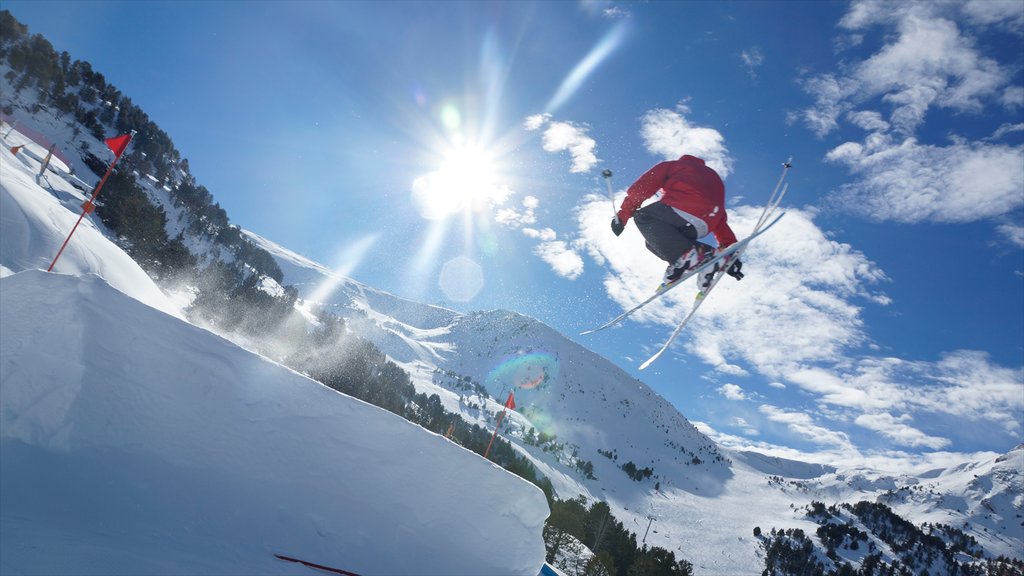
(511, 402)
(117, 144)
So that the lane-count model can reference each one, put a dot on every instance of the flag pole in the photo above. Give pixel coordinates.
(510, 403)
(46, 162)
(89, 206)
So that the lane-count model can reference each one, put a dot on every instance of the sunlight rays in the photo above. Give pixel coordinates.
(348, 259)
(597, 55)
(425, 258)
(464, 179)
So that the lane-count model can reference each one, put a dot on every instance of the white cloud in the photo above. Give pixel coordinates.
(1007, 129)
(886, 461)
(928, 61)
(864, 13)
(897, 430)
(732, 392)
(536, 121)
(803, 425)
(545, 234)
(512, 218)
(1013, 97)
(967, 384)
(911, 182)
(868, 120)
(747, 428)
(829, 103)
(669, 134)
(752, 60)
(1004, 13)
(832, 388)
(796, 303)
(1013, 232)
(565, 136)
(615, 12)
(564, 261)
(964, 384)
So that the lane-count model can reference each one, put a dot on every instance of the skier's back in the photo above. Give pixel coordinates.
(692, 206)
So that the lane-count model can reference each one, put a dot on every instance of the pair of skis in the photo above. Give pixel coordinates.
(733, 252)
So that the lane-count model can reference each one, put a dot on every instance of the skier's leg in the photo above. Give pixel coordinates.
(668, 235)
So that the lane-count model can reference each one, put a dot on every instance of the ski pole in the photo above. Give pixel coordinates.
(608, 180)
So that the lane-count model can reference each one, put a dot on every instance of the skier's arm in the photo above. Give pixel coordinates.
(644, 187)
(724, 234)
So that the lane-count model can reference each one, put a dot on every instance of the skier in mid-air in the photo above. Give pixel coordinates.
(692, 205)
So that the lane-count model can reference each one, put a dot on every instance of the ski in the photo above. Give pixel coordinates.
(704, 266)
(316, 566)
(773, 202)
(701, 296)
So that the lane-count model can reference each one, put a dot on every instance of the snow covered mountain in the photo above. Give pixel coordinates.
(706, 501)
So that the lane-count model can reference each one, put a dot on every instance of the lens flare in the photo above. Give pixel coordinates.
(461, 279)
(451, 118)
(529, 375)
(526, 372)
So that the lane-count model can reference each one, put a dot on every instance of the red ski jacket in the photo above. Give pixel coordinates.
(690, 186)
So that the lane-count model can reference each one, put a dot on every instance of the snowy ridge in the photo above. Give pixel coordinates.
(214, 444)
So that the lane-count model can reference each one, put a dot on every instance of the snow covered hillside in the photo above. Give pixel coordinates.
(705, 501)
(134, 442)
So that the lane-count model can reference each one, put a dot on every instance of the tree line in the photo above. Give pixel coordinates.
(573, 524)
(894, 546)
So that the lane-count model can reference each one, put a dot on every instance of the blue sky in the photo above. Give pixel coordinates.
(451, 153)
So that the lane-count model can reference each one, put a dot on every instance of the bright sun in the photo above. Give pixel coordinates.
(464, 180)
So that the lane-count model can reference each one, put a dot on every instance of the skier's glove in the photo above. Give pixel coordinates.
(617, 227)
(734, 269)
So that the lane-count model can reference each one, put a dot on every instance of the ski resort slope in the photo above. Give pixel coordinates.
(134, 442)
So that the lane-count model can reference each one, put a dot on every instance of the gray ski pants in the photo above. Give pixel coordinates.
(668, 235)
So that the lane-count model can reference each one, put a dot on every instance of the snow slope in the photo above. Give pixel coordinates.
(134, 442)
(705, 500)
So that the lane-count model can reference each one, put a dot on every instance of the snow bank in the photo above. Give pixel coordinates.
(134, 442)
(34, 224)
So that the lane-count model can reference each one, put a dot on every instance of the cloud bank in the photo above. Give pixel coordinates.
(931, 62)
